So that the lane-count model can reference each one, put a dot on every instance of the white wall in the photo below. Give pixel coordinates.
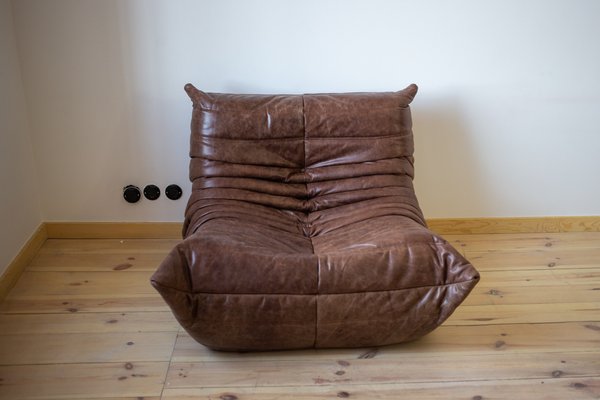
(20, 212)
(505, 121)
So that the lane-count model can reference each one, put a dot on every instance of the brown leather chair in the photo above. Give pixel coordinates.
(303, 230)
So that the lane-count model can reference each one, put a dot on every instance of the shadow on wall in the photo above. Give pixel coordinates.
(448, 170)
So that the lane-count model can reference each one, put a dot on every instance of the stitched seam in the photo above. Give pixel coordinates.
(317, 294)
(260, 140)
(312, 247)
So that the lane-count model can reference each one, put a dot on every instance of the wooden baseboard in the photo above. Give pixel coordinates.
(114, 230)
(443, 226)
(23, 258)
(469, 226)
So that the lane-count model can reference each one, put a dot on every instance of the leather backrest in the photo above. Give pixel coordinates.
(302, 152)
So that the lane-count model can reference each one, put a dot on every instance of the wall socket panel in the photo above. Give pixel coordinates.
(133, 194)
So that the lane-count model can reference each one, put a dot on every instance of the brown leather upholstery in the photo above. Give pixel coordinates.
(303, 229)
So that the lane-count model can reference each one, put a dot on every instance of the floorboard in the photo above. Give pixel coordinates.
(515, 389)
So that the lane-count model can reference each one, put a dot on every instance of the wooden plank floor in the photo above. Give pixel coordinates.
(84, 323)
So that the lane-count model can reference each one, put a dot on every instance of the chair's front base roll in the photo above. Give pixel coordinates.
(258, 322)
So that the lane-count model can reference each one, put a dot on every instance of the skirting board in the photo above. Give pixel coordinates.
(22, 259)
(470, 226)
(114, 230)
(443, 226)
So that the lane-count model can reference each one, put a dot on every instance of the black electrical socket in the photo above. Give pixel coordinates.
(151, 192)
(131, 193)
(173, 192)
